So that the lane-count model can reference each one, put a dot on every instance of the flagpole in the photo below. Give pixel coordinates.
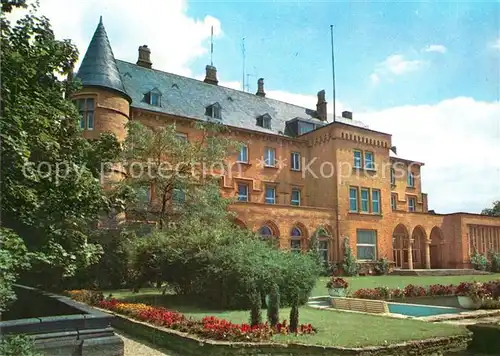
(333, 72)
(212, 46)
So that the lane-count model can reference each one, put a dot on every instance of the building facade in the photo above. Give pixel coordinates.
(299, 171)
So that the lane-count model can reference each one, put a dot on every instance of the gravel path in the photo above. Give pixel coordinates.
(133, 347)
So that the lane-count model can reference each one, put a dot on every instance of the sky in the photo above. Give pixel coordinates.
(426, 72)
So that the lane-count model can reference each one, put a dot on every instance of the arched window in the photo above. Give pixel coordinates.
(296, 236)
(266, 232)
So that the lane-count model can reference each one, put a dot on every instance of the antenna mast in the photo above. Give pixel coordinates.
(333, 72)
(243, 53)
(212, 46)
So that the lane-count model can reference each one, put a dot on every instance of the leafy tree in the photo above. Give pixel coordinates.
(173, 167)
(350, 264)
(494, 211)
(49, 173)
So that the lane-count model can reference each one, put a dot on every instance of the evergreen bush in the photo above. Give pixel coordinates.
(273, 307)
(255, 308)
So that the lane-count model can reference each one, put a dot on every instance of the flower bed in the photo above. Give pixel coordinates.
(483, 291)
(209, 327)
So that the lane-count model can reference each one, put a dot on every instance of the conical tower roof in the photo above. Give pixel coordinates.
(98, 67)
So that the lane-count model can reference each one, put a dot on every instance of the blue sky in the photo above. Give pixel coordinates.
(289, 44)
(426, 72)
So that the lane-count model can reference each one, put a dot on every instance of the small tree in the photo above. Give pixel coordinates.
(256, 305)
(494, 211)
(350, 264)
(273, 307)
(294, 314)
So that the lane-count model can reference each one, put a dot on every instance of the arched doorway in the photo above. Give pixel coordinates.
(418, 247)
(436, 248)
(400, 238)
(324, 236)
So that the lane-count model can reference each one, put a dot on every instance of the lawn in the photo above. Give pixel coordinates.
(356, 283)
(335, 328)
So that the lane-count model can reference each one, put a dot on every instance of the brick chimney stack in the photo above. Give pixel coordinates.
(211, 75)
(321, 106)
(260, 88)
(144, 57)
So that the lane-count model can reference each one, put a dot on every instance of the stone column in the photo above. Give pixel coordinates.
(410, 254)
(428, 254)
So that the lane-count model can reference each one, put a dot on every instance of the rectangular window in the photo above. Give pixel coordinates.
(411, 180)
(86, 111)
(243, 155)
(181, 136)
(375, 201)
(366, 245)
(365, 198)
(323, 250)
(295, 161)
(295, 197)
(155, 99)
(178, 195)
(305, 127)
(144, 195)
(295, 245)
(242, 192)
(353, 199)
(393, 176)
(270, 157)
(411, 204)
(393, 202)
(270, 195)
(369, 164)
(358, 160)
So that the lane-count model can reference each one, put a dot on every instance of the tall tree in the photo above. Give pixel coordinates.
(49, 173)
(494, 211)
(172, 169)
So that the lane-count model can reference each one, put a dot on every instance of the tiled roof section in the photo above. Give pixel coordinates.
(187, 97)
(98, 67)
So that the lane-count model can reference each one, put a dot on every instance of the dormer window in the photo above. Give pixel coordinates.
(153, 97)
(264, 121)
(214, 111)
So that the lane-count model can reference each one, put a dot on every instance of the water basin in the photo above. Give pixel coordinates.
(419, 310)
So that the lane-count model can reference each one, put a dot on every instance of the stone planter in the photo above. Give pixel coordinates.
(337, 292)
(468, 303)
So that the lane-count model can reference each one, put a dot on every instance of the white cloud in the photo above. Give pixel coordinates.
(175, 39)
(496, 44)
(394, 65)
(436, 48)
(459, 142)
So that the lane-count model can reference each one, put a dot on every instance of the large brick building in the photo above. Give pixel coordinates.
(300, 169)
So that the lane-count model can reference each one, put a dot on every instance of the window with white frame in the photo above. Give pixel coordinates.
(295, 199)
(295, 161)
(86, 110)
(393, 176)
(358, 159)
(214, 111)
(369, 163)
(242, 192)
(375, 201)
(411, 204)
(270, 157)
(365, 200)
(411, 179)
(243, 155)
(393, 202)
(353, 199)
(323, 250)
(270, 195)
(154, 99)
(366, 245)
(181, 136)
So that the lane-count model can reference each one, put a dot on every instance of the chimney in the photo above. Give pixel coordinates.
(144, 57)
(347, 115)
(211, 75)
(260, 88)
(321, 106)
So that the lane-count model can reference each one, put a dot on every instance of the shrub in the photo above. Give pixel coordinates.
(439, 289)
(86, 296)
(495, 262)
(273, 306)
(349, 264)
(382, 266)
(414, 291)
(255, 308)
(479, 262)
(294, 315)
(18, 345)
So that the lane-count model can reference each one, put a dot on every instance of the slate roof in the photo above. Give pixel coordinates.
(98, 67)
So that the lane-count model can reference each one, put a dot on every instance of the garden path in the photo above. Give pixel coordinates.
(136, 348)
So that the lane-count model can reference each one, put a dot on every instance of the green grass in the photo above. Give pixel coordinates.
(356, 283)
(335, 328)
